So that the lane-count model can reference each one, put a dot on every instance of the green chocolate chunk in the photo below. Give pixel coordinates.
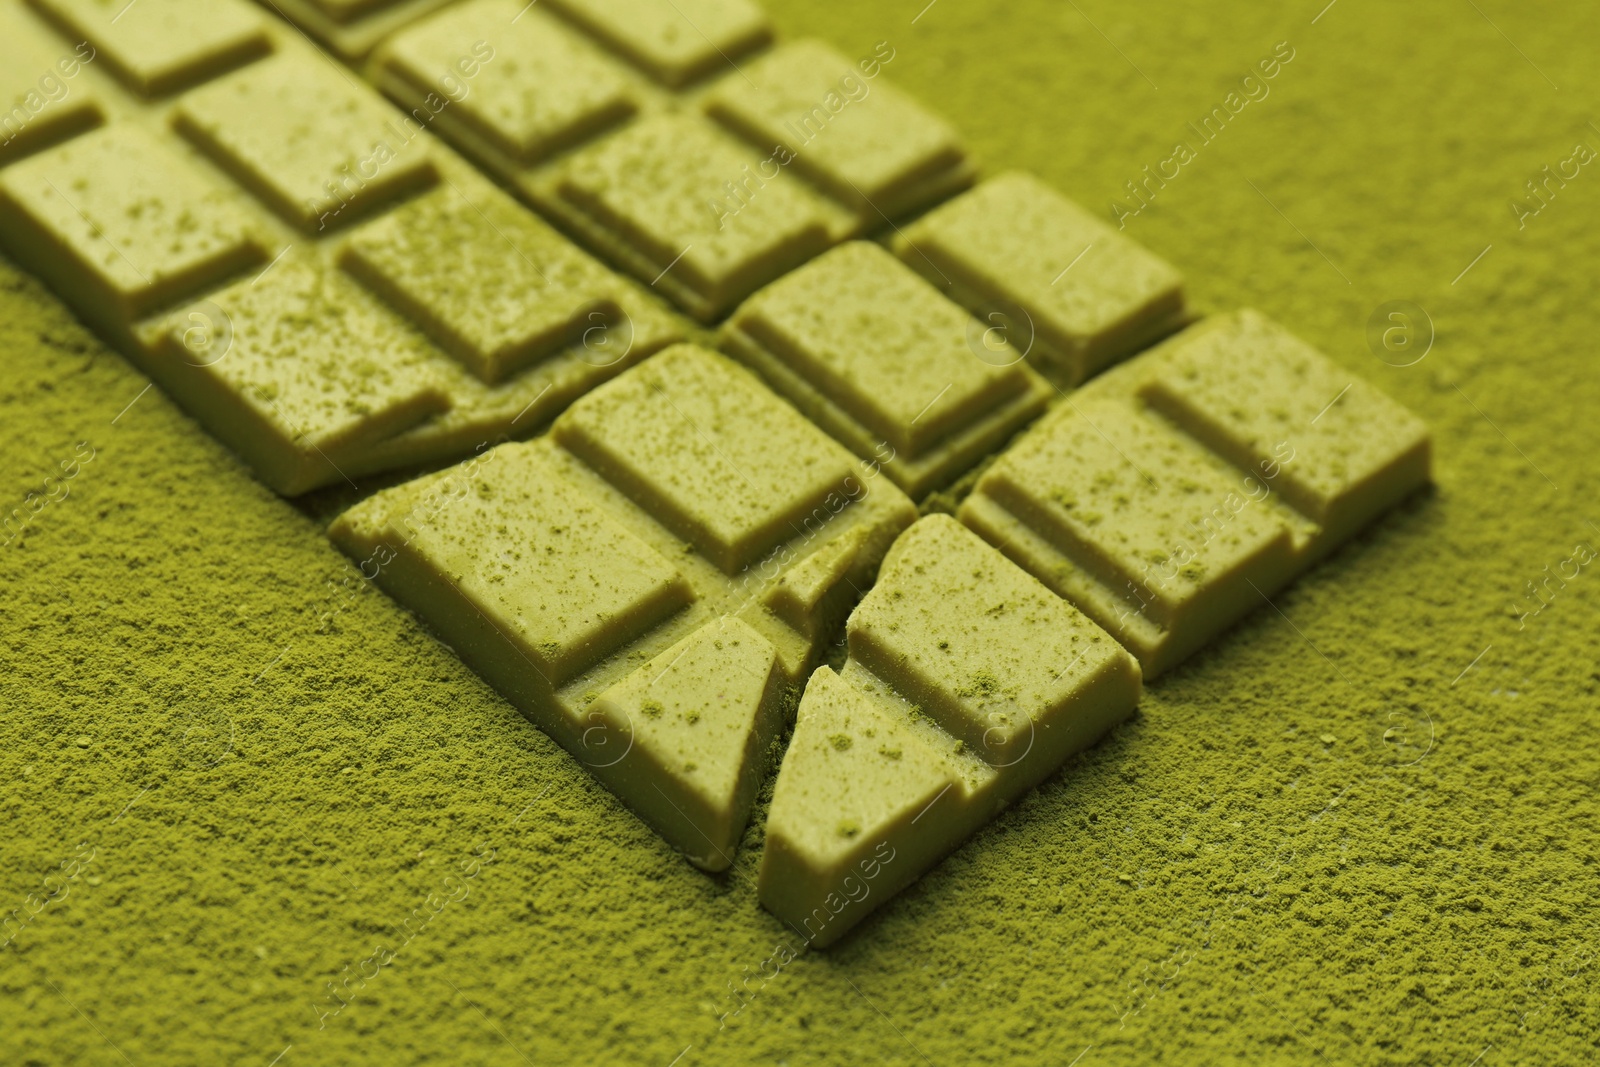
(122, 225)
(1178, 491)
(533, 86)
(967, 683)
(806, 596)
(646, 199)
(1147, 534)
(1083, 294)
(559, 579)
(302, 361)
(868, 145)
(700, 444)
(160, 46)
(1338, 450)
(852, 800)
(700, 717)
(676, 41)
(42, 97)
(878, 358)
(487, 279)
(882, 343)
(307, 139)
(993, 656)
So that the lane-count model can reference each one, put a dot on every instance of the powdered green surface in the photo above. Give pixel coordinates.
(1269, 864)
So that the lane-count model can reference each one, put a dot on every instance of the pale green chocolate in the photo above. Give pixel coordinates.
(802, 596)
(482, 414)
(559, 569)
(312, 144)
(488, 280)
(133, 227)
(1245, 386)
(159, 46)
(849, 822)
(543, 86)
(676, 41)
(352, 34)
(883, 362)
(967, 683)
(1081, 294)
(704, 446)
(1182, 489)
(979, 645)
(653, 580)
(700, 717)
(42, 99)
(868, 145)
(303, 370)
(646, 197)
(122, 225)
(1120, 498)
(548, 568)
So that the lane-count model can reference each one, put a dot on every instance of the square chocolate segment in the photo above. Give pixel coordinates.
(123, 225)
(1079, 294)
(883, 362)
(1267, 401)
(699, 443)
(42, 97)
(160, 46)
(548, 566)
(300, 133)
(982, 647)
(866, 144)
(676, 41)
(644, 197)
(1128, 506)
(487, 279)
(301, 360)
(520, 79)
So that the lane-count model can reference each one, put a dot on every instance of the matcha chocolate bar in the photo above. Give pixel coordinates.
(1179, 490)
(967, 683)
(328, 289)
(1065, 286)
(334, 292)
(649, 581)
(879, 358)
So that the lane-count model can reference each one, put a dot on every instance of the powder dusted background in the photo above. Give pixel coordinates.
(1361, 828)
